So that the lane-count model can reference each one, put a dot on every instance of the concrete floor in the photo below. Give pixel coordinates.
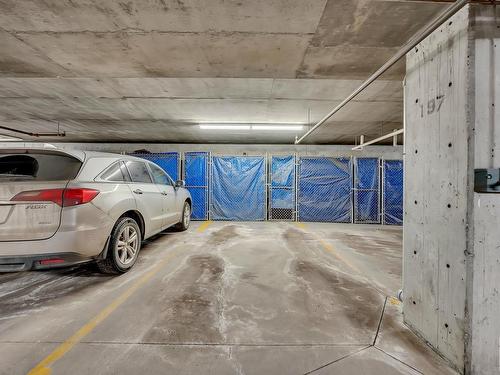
(222, 298)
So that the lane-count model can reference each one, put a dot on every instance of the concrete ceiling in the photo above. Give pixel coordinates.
(152, 70)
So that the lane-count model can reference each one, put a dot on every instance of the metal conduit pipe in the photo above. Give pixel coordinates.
(50, 134)
(392, 134)
(421, 35)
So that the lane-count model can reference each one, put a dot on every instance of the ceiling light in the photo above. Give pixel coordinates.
(283, 127)
(278, 127)
(224, 127)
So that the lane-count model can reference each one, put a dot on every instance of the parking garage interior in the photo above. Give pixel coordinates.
(342, 160)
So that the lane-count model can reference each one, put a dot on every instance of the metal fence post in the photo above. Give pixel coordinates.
(297, 171)
(353, 186)
(383, 190)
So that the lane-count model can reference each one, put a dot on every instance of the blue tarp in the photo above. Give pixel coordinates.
(366, 193)
(325, 186)
(282, 171)
(393, 192)
(196, 177)
(238, 188)
(283, 182)
(168, 161)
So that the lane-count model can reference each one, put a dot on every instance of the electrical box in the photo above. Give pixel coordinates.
(487, 180)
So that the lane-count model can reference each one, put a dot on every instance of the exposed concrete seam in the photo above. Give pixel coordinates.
(161, 32)
(235, 345)
(338, 360)
(430, 346)
(380, 322)
(370, 346)
(267, 99)
(181, 344)
(306, 50)
(42, 54)
(270, 99)
(397, 359)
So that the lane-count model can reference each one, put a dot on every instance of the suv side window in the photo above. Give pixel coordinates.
(125, 171)
(114, 173)
(159, 176)
(138, 171)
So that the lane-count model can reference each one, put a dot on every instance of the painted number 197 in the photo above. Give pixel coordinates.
(433, 105)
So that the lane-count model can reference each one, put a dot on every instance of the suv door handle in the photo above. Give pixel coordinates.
(137, 191)
(164, 193)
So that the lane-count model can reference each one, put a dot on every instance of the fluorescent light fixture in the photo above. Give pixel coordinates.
(278, 127)
(224, 127)
(284, 127)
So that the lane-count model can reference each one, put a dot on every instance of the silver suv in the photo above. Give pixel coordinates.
(66, 207)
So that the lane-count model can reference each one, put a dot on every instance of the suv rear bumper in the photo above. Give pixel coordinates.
(29, 262)
(85, 240)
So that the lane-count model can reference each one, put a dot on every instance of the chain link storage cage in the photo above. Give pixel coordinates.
(325, 189)
(196, 176)
(392, 192)
(366, 192)
(238, 188)
(168, 161)
(282, 188)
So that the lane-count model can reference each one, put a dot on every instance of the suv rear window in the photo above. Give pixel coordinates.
(38, 167)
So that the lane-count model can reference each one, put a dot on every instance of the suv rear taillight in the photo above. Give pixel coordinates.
(48, 195)
(75, 197)
(61, 197)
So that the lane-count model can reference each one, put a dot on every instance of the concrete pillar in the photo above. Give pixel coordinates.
(451, 268)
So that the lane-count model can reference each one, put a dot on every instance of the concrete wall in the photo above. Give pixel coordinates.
(451, 262)
(483, 346)
(388, 152)
(435, 177)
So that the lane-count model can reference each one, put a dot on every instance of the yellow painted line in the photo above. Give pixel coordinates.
(204, 226)
(394, 301)
(331, 250)
(44, 367)
(328, 247)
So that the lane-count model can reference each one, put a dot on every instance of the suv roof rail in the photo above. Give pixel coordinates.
(30, 145)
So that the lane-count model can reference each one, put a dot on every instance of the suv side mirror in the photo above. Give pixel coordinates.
(180, 184)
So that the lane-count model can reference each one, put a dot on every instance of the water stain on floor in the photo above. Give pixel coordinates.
(384, 252)
(371, 244)
(353, 299)
(193, 311)
(226, 233)
(248, 276)
(23, 292)
(297, 240)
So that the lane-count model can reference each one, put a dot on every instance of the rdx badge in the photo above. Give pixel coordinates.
(36, 206)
